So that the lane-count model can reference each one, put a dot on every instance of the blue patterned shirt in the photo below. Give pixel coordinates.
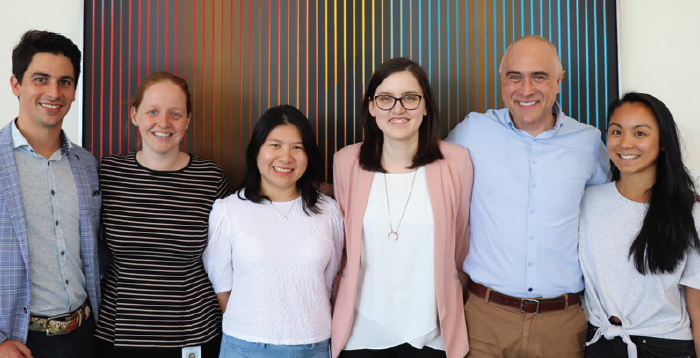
(50, 201)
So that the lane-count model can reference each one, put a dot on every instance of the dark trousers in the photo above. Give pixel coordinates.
(403, 351)
(647, 347)
(77, 344)
(107, 350)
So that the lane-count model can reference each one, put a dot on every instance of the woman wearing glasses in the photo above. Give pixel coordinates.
(404, 196)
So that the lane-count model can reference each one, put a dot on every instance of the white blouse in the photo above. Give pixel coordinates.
(279, 271)
(396, 301)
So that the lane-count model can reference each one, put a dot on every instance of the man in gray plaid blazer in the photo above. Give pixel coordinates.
(49, 210)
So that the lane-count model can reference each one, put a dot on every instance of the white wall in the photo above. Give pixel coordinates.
(18, 16)
(659, 43)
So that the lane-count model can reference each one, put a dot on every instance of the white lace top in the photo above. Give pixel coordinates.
(279, 272)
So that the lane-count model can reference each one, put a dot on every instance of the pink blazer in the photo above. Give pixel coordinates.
(450, 186)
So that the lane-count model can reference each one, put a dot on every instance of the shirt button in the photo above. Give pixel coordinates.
(530, 263)
(529, 289)
(532, 211)
(531, 237)
(67, 282)
(62, 253)
(534, 185)
(534, 161)
(25, 309)
(56, 222)
(53, 192)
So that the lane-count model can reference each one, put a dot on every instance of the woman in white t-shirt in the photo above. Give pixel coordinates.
(639, 246)
(275, 246)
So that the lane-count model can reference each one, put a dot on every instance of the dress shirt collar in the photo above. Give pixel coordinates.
(507, 121)
(19, 141)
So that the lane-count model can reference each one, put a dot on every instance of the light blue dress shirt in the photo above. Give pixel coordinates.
(525, 201)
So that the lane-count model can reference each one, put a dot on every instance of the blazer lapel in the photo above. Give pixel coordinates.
(11, 192)
(362, 188)
(433, 174)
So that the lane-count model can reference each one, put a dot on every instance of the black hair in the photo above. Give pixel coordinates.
(35, 41)
(272, 118)
(668, 230)
(428, 132)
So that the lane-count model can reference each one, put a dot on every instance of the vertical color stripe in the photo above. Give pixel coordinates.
(319, 56)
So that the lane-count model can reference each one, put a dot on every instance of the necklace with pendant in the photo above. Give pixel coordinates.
(288, 211)
(394, 234)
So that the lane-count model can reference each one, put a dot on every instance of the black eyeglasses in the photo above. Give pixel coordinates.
(387, 102)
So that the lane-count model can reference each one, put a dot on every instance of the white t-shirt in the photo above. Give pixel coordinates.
(396, 299)
(280, 272)
(648, 305)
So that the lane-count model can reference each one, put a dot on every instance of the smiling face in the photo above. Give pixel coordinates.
(162, 118)
(281, 161)
(531, 76)
(398, 123)
(46, 92)
(633, 139)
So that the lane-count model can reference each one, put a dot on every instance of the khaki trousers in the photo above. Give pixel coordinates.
(505, 332)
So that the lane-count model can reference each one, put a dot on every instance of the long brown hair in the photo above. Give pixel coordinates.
(428, 132)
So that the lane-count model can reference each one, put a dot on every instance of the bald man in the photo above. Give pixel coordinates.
(531, 165)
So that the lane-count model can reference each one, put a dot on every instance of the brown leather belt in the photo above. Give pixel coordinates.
(61, 324)
(525, 305)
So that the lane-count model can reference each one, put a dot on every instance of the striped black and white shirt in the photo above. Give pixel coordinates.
(156, 292)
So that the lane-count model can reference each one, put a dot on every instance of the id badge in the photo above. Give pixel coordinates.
(192, 352)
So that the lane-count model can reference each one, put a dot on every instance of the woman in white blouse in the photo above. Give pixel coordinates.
(639, 247)
(275, 246)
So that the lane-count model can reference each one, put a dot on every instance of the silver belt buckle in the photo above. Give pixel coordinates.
(55, 318)
(522, 304)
